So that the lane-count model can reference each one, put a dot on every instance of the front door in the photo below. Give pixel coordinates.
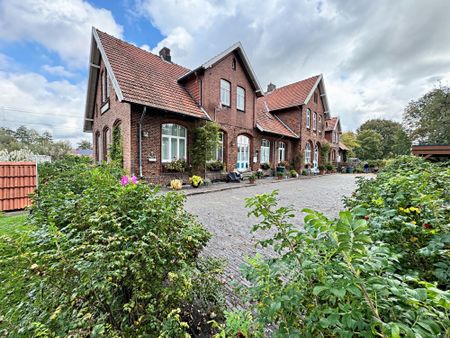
(243, 153)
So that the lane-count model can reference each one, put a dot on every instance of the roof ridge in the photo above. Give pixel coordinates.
(141, 49)
(293, 83)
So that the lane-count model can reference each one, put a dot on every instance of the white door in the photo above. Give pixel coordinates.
(316, 156)
(243, 153)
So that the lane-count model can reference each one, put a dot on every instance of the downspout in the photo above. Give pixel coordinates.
(140, 140)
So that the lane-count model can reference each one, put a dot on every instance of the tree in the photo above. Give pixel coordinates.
(85, 144)
(349, 139)
(370, 145)
(428, 118)
(391, 132)
(206, 139)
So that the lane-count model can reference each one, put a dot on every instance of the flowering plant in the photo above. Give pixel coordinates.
(125, 180)
(195, 181)
(176, 184)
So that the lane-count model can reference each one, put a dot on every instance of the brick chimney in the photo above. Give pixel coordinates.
(165, 54)
(271, 87)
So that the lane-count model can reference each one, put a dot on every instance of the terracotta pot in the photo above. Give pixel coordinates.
(280, 177)
(252, 181)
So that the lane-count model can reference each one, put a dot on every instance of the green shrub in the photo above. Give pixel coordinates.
(330, 280)
(265, 166)
(329, 167)
(293, 173)
(408, 207)
(114, 260)
(214, 166)
(176, 166)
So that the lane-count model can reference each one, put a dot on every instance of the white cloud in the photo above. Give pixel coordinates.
(57, 71)
(375, 55)
(30, 99)
(62, 26)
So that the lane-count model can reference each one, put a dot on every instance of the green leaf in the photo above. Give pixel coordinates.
(318, 289)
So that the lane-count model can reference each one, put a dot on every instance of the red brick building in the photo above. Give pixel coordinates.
(157, 104)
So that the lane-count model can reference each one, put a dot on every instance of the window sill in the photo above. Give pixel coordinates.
(240, 110)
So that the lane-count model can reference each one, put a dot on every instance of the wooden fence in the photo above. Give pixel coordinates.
(17, 181)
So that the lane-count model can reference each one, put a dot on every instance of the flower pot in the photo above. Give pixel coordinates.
(252, 181)
(280, 177)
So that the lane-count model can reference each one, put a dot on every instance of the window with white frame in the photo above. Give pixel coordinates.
(265, 151)
(218, 152)
(308, 118)
(320, 124)
(240, 98)
(281, 151)
(316, 156)
(225, 92)
(314, 121)
(307, 152)
(173, 140)
(105, 85)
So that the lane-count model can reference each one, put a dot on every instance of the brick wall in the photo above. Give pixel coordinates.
(118, 111)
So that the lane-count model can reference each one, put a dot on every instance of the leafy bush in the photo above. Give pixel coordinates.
(331, 280)
(293, 173)
(265, 166)
(114, 260)
(329, 167)
(214, 166)
(259, 173)
(408, 207)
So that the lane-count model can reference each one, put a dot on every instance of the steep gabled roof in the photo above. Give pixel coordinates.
(296, 94)
(139, 77)
(270, 123)
(236, 48)
(332, 124)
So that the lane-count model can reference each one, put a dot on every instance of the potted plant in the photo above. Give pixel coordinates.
(293, 173)
(265, 166)
(214, 166)
(304, 172)
(259, 174)
(281, 167)
(176, 184)
(252, 178)
(329, 167)
(280, 175)
(177, 166)
(321, 169)
(195, 181)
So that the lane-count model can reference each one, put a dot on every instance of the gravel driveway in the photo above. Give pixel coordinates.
(223, 213)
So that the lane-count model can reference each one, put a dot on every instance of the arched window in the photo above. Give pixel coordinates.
(308, 118)
(316, 156)
(243, 153)
(97, 146)
(106, 141)
(281, 151)
(173, 140)
(307, 153)
(320, 124)
(265, 151)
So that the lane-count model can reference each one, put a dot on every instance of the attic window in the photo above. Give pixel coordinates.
(233, 64)
(316, 97)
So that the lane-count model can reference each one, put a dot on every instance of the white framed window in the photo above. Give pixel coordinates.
(105, 85)
(106, 142)
(307, 153)
(98, 152)
(281, 151)
(265, 151)
(308, 118)
(240, 98)
(320, 124)
(218, 152)
(225, 92)
(243, 153)
(173, 142)
(314, 121)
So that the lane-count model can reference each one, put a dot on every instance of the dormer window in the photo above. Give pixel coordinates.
(225, 93)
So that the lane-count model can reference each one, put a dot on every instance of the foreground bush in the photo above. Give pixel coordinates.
(408, 208)
(112, 259)
(331, 280)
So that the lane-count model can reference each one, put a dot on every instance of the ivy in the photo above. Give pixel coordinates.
(117, 146)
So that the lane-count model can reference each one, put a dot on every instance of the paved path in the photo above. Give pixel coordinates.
(224, 214)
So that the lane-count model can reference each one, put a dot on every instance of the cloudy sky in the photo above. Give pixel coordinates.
(375, 55)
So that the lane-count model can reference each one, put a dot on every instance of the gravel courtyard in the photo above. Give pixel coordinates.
(223, 213)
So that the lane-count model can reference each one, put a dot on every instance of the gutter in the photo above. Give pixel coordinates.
(140, 140)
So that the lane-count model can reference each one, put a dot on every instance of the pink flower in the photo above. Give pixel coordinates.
(124, 180)
(134, 179)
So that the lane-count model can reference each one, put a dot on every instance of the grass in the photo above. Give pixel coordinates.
(14, 234)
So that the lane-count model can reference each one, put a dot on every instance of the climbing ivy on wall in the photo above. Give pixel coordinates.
(116, 145)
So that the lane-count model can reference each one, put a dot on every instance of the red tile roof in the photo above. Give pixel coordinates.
(268, 122)
(330, 124)
(291, 95)
(145, 78)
